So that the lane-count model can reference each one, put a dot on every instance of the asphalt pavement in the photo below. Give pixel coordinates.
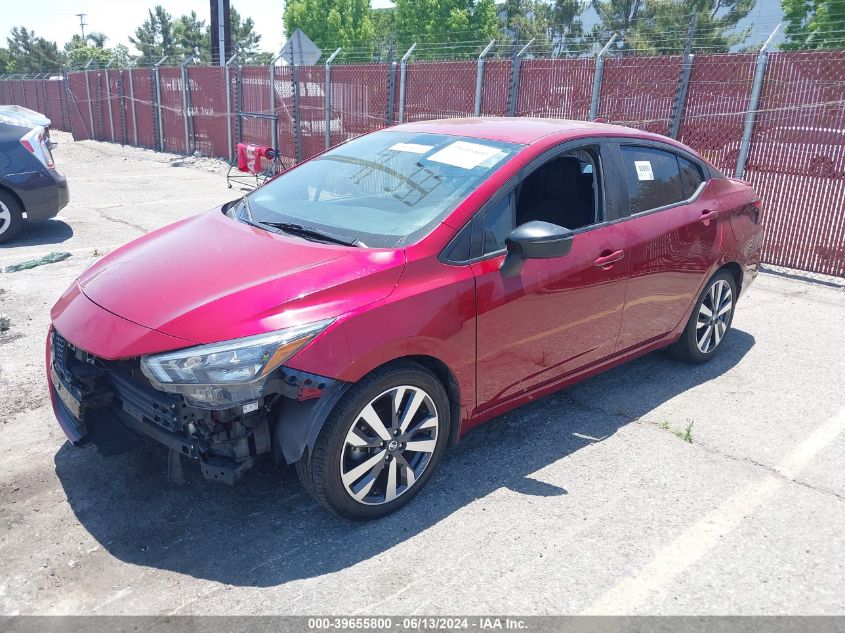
(655, 488)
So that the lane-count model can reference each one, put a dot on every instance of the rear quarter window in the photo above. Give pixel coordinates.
(691, 176)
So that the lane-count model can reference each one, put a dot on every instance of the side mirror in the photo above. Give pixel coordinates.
(534, 240)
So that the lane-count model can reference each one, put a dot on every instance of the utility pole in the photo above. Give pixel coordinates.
(82, 24)
(221, 32)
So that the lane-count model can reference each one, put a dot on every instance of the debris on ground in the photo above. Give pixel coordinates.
(201, 161)
(50, 258)
(5, 322)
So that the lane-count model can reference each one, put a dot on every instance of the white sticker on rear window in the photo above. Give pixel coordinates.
(465, 155)
(413, 148)
(644, 171)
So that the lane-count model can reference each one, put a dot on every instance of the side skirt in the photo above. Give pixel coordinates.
(567, 380)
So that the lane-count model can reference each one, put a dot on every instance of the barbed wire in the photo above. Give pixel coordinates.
(456, 49)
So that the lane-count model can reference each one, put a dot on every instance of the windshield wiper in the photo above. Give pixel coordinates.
(294, 229)
(309, 233)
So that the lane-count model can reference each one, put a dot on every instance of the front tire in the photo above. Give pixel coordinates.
(11, 217)
(709, 322)
(381, 443)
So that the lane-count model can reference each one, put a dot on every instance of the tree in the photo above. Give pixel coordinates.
(617, 15)
(98, 39)
(6, 63)
(332, 23)
(384, 26)
(655, 27)
(120, 55)
(79, 56)
(192, 36)
(565, 29)
(28, 53)
(526, 20)
(155, 37)
(442, 28)
(812, 24)
(244, 37)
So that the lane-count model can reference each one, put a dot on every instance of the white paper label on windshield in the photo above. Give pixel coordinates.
(465, 155)
(413, 148)
(644, 171)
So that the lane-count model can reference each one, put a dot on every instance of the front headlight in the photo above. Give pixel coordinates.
(221, 375)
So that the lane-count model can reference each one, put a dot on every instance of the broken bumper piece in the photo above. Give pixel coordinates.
(110, 404)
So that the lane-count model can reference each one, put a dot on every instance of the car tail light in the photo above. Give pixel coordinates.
(35, 143)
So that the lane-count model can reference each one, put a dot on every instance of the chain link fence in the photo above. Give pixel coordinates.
(776, 119)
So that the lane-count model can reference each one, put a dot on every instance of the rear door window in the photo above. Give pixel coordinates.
(653, 177)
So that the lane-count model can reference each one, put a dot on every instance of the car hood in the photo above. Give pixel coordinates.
(210, 278)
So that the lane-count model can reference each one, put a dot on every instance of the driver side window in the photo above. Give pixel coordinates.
(565, 191)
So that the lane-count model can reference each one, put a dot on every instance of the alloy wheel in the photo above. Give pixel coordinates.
(714, 315)
(5, 218)
(389, 445)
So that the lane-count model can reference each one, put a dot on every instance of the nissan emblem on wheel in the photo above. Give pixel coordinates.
(356, 316)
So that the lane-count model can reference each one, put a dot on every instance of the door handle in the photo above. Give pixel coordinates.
(708, 215)
(606, 261)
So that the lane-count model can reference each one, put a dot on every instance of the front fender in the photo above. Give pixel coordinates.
(431, 314)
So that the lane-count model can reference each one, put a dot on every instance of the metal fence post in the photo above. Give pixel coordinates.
(753, 103)
(327, 98)
(513, 95)
(44, 91)
(272, 109)
(132, 101)
(108, 99)
(297, 119)
(239, 96)
(227, 77)
(157, 97)
(391, 86)
(403, 72)
(99, 98)
(66, 105)
(479, 78)
(683, 82)
(88, 96)
(594, 103)
(183, 69)
(37, 79)
(121, 95)
(681, 96)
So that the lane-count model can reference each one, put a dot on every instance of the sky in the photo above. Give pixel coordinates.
(56, 21)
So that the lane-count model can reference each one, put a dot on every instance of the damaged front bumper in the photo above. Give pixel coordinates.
(99, 401)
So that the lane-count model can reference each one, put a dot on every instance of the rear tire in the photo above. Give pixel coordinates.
(381, 443)
(709, 322)
(11, 217)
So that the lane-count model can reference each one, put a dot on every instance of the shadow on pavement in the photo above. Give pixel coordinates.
(36, 232)
(266, 531)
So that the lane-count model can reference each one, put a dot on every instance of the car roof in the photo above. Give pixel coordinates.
(523, 130)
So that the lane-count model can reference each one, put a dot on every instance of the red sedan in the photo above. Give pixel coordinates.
(360, 313)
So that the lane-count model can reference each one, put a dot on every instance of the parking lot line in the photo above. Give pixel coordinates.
(651, 582)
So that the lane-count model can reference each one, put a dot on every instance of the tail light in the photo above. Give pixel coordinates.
(35, 142)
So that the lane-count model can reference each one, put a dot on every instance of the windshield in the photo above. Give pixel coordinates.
(383, 190)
